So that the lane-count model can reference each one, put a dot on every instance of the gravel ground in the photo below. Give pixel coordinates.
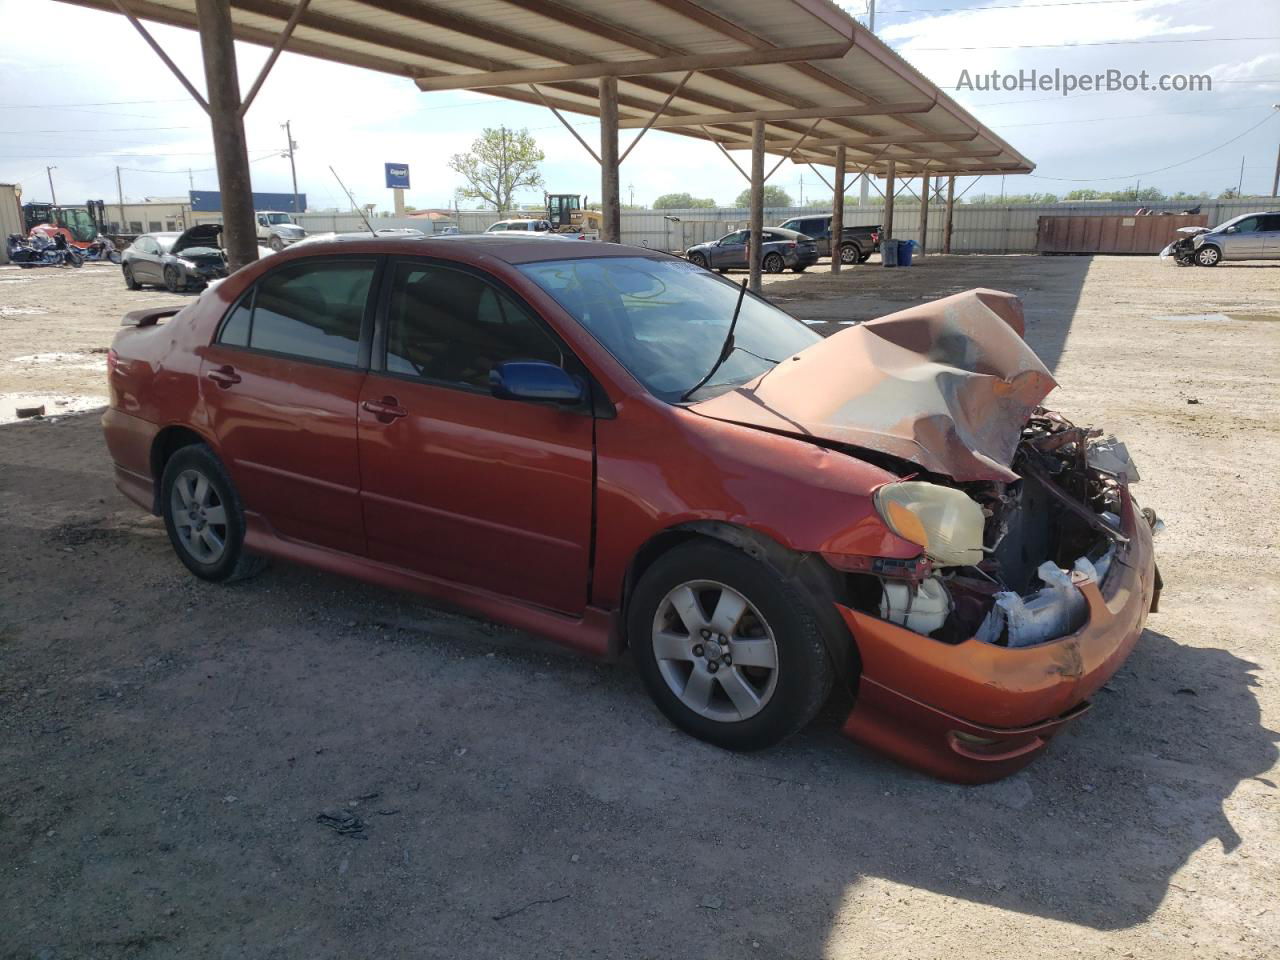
(167, 746)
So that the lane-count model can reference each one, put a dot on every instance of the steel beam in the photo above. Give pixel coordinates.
(837, 211)
(634, 68)
(886, 229)
(791, 113)
(949, 217)
(757, 204)
(217, 43)
(611, 202)
(924, 215)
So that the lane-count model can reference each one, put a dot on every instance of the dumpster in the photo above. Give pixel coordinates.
(889, 252)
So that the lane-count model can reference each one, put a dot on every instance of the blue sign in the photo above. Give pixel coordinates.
(210, 201)
(397, 175)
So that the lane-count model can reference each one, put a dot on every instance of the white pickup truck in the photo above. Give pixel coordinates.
(277, 229)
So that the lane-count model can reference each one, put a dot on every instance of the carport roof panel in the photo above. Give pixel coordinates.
(837, 99)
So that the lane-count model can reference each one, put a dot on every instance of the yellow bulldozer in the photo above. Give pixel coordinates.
(568, 214)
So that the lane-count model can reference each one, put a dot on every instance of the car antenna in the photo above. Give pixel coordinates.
(358, 211)
(724, 350)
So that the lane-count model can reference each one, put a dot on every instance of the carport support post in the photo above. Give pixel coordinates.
(611, 231)
(950, 215)
(924, 213)
(837, 210)
(757, 204)
(886, 229)
(222, 85)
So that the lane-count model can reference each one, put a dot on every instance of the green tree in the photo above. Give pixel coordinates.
(499, 163)
(773, 197)
(1230, 193)
(682, 201)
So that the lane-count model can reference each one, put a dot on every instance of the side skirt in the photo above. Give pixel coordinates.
(595, 633)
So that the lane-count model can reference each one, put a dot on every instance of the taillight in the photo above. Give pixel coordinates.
(112, 357)
(875, 237)
(791, 246)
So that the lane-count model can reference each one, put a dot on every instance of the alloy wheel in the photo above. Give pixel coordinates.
(199, 516)
(715, 651)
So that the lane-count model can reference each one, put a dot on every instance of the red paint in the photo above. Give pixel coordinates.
(487, 504)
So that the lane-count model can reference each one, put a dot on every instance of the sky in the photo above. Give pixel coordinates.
(81, 91)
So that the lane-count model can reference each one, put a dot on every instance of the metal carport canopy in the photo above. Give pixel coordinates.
(803, 74)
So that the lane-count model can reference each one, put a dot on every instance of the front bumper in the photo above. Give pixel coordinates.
(974, 712)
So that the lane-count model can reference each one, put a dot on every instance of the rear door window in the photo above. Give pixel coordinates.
(310, 310)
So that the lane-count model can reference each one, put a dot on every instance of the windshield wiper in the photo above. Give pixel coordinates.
(727, 348)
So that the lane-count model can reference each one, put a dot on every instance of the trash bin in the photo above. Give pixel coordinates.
(889, 253)
(905, 247)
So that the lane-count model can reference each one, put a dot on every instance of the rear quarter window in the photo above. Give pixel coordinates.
(313, 310)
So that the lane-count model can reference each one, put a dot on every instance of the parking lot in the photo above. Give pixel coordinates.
(169, 745)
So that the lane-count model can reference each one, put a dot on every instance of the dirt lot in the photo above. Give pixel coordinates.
(167, 745)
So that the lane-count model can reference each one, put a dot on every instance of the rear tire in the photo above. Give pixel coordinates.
(783, 672)
(205, 518)
(129, 282)
(773, 263)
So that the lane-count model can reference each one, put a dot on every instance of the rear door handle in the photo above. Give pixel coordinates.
(224, 376)
(386, 410)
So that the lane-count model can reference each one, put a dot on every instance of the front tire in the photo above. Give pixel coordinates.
(773, 263)
(204, 517)
(276, 244)
(129, 282)
(729, 651)
(172, 281)
(1208, 256)
(698, 260)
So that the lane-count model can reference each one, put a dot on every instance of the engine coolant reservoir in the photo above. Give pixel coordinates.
(922, 609)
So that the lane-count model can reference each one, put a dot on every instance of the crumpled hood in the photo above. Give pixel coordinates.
(947, 385)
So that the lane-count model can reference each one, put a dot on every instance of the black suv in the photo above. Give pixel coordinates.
(856, 243)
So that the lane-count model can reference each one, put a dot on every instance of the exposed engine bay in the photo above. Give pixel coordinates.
(1004, 555)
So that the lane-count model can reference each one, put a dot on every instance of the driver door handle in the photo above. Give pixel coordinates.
(386, 410)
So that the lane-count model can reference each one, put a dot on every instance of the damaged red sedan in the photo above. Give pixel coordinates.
(614, 448)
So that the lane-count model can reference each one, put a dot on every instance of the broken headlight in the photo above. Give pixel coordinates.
(946, 522)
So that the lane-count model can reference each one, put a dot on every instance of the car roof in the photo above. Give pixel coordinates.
(512, 248)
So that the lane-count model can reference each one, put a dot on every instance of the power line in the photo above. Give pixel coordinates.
(1014, 6)
(74, 103)
(1093, 43)
(1144, 173)
(1131, 116)
(78, 133)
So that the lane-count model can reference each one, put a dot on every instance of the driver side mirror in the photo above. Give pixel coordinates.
(1231, 230)
(534, 380)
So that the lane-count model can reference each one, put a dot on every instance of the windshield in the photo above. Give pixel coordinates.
(666, 321)
(274, 218)
(166, 241)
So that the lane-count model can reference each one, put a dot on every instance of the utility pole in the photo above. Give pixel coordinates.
(631, 194)
(52, 195)
(1240, 182)
(124, 226)
(871, 15)
(288, 133)
(1275, 183)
